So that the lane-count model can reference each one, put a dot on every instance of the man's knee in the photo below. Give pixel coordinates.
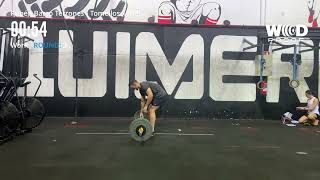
(303, 119)
(153, 109)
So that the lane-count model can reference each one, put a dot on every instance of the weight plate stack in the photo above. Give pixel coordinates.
(140, 130)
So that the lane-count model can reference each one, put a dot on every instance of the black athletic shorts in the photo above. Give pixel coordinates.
(159, 101)
(315, 114)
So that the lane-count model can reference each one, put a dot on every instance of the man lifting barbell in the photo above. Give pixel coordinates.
(152, 97)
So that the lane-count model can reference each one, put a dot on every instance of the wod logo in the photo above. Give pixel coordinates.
(286, 32)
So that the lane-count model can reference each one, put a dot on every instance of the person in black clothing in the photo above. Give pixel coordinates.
(153, 96)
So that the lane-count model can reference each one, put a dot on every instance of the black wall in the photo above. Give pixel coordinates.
(170, 37)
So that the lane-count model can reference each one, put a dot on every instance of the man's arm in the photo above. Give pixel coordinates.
(143, 102)
(149, 98)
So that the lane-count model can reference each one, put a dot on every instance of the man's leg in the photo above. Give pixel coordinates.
(303, 119)
(313, 117)
(152, 115)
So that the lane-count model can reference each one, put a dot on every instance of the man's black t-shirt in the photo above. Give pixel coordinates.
(157, 90)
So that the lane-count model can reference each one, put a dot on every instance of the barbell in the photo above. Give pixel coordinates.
(140, 128)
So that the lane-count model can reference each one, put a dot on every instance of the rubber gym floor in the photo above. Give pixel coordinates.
(100, 148)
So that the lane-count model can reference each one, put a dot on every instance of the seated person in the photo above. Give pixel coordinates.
(312, 109)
